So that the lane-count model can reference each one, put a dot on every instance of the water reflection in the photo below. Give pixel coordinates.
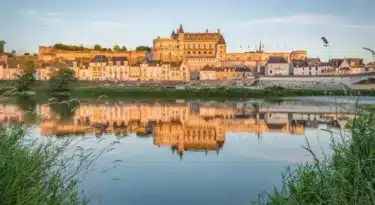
(182, 126)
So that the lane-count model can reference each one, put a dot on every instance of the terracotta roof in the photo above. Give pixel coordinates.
(276, 59)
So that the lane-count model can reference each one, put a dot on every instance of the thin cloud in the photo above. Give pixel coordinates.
(300, 19)
(306, 19)
(359, 26)
(55, 13)
(110, 24)
(52, 20)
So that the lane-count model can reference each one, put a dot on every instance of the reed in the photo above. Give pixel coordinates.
(345, 177)
(34, 172)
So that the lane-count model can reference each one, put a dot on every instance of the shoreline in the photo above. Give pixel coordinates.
(204, 93)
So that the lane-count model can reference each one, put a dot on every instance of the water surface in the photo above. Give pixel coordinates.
(186, 152)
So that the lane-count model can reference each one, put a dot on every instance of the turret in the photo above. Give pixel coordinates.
(181, 29)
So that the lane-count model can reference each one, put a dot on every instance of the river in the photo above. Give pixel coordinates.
(186, 152)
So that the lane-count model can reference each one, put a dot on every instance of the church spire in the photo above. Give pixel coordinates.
(260, 48)
(181, 29)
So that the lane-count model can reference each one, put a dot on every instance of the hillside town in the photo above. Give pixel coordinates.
(183, 57)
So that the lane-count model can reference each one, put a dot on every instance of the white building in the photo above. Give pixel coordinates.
(277, 65)
(310, 66)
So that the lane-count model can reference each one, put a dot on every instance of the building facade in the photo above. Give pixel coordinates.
(277, 65)
(181, 45)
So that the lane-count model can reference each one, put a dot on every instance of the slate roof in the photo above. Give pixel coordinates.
(99, 59)
(69, 63)
(276, 59)
(222, 40)
(120, 59)
(153, 62)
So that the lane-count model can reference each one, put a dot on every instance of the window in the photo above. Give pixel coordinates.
(188, 46)
(193, 46)
(204, 46)
(188, 52)
(270, 71)
(316, 68)
(199, 46)
(210, 46)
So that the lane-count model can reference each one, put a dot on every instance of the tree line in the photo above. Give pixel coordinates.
(97, 47)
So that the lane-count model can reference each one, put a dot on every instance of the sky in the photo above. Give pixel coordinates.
(281, 25)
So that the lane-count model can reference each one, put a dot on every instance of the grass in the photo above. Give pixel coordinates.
(346, 177)
(92, 90)
(41, 173)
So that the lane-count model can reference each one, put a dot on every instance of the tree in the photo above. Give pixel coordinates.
(123, 48)
(116, 48)
(14, 52)
(26, 77)
(2, 43)
(62, 80)
(97, 47)
(143, 48)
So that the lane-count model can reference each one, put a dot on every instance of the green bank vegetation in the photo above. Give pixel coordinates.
(346, 177)
(40, 173)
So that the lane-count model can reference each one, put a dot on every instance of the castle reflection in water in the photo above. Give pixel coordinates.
(183, 126)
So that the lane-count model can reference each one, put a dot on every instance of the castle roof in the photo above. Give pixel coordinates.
(276, 59)
(222, 40)
(181, 29)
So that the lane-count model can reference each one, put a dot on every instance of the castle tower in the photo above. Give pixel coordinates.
(221, 48)
(181, 41)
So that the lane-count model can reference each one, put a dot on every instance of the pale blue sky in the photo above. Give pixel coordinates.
(280, 24)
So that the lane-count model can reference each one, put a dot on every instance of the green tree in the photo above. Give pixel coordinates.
(62, 80)
(97, 47)
(2, 43)
(26, 77)
(143, 48)
(123, 48)
(116, 48)
(14, 52)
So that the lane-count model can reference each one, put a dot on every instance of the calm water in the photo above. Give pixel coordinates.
(185, 152)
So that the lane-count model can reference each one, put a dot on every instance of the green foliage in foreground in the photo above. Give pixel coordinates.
(36, 173)
(206, 93)
(347, 177)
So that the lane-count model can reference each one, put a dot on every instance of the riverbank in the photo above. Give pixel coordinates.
(91, 90)
(33, 173)
(346, 177)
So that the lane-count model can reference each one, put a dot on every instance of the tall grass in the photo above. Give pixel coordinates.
(41, 173)
(345, 177)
